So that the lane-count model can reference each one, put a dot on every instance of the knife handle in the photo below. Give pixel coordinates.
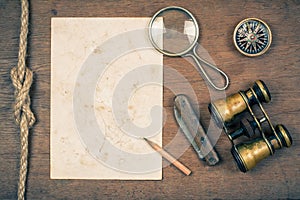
(193, 130)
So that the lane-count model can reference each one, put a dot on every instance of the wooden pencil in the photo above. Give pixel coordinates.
(169, 157)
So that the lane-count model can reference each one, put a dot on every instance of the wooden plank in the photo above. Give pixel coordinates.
(276, 177)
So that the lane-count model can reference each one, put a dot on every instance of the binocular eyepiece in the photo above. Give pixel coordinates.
(225, 112)
(248, 154)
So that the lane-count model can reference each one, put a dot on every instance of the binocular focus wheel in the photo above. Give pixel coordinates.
(262, 91)
(284, 135)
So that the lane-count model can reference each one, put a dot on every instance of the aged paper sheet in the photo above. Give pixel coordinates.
(106, 94)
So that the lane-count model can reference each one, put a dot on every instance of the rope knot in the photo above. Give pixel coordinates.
(22, 80)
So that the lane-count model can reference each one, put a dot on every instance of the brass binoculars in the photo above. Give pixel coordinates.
(226, 113)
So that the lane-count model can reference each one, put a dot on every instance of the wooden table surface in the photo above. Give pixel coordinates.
(276, 177)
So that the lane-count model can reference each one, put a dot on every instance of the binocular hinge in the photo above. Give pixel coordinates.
(257, 121)
(267, 118)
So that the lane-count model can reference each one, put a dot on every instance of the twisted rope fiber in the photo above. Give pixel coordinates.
(21, 77)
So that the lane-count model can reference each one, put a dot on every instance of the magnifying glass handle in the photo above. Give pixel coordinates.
(197, 60)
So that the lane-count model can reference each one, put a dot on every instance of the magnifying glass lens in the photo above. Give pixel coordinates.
(179, 32)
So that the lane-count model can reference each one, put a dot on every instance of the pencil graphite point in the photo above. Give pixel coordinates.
(169, 157)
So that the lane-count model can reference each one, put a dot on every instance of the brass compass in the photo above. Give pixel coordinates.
(252, 37)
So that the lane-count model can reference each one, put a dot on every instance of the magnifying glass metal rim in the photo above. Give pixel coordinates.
(192, 45)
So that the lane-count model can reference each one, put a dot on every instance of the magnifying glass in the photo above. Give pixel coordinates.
(180, 34)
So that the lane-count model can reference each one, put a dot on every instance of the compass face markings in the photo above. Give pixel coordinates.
(252, 37)
(257, 28)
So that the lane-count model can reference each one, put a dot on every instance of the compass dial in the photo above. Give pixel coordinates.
(252, 37)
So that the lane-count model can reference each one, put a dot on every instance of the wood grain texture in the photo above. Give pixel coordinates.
(276, 177)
